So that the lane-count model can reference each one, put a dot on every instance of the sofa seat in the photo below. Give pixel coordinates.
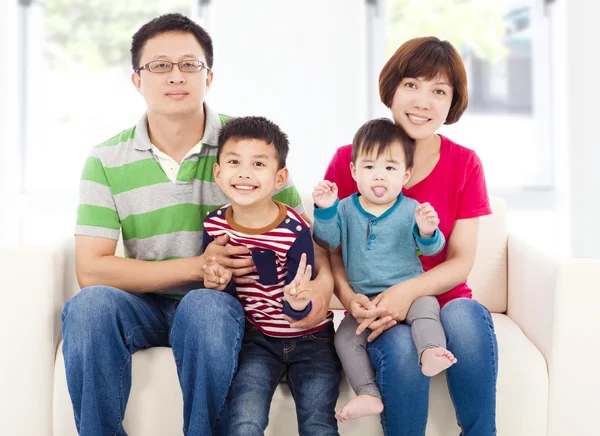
(155, 405)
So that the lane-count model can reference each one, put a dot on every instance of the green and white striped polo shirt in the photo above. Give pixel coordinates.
(124, 189)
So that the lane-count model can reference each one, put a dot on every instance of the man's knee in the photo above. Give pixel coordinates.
(88, 314)
(211, 316)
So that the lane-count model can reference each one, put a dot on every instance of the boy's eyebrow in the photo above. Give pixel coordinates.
(255, 156)
(393, 161)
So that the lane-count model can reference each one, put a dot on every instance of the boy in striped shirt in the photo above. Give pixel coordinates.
(250, 165)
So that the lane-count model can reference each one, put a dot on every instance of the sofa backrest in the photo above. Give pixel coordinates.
(488, 278)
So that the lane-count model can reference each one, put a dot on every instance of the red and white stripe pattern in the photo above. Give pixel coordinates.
(263, 304)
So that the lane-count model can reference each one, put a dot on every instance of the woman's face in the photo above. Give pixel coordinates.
(421, 106)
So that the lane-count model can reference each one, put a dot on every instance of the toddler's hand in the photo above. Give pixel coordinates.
(215, 276)
(427, 220)
(325, 194)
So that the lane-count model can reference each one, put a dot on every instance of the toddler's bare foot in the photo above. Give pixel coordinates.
(362, 405)
(435, 360)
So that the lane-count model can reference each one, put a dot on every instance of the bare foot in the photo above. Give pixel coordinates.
(357, 407)
(435, 360)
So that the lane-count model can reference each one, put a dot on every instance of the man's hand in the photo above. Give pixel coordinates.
(427, 220)
(325, 194)
(215, 276)
(225, 256)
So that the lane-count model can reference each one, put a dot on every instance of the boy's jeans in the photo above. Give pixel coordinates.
(312, 370)
(104, 326)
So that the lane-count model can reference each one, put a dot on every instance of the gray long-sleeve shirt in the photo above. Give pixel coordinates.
(378, 252)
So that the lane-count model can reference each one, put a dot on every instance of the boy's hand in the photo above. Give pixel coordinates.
(297, 293)
(325, 194)
(427, 220)
(215, 276)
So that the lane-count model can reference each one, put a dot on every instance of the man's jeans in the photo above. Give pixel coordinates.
(104, 326)
(312, 369)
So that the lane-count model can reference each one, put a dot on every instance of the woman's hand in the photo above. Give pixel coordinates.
(396, 301)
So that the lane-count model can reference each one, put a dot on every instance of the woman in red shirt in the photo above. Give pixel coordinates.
(425, 85)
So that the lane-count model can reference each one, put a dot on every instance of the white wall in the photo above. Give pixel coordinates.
(10, 169)
(303, 64)
(576, 121)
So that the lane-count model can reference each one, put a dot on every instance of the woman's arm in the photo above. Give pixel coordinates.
(462, 245)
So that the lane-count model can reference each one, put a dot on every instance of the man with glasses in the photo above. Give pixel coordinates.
(153, 184)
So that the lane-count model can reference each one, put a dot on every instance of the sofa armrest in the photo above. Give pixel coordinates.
(32, 285)
(555, 303)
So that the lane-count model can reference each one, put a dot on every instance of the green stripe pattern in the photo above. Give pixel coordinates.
(130, 179)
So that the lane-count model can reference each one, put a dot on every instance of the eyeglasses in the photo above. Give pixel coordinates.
(166, 66)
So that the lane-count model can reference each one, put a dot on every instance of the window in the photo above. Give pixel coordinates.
(504, 47)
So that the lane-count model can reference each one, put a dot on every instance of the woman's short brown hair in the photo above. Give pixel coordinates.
(426, 57)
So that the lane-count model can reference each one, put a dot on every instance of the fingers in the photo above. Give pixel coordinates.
(375, 333)
(238, 272)
(359, 312)
(234, 264)
(379, 323)
(301, 266)
(220, 240)
(307, 274)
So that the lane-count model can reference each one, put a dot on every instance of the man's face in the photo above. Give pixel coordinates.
(174, 93)
(248, 171)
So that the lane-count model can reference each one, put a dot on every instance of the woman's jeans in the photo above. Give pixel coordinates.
(471, 381)
(104, 326)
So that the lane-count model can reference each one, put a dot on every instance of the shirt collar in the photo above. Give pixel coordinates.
(212, 127)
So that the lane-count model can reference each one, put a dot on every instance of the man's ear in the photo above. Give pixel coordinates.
(209, 79)
(281, 178)
(353, 171)
(137, 81)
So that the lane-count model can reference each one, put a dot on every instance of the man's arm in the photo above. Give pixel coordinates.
(96, 264)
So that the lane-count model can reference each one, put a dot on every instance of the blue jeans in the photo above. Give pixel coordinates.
(313, 375)
(471, 381)
(104, 326)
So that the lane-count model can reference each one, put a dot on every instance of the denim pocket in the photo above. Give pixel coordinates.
(325, 335)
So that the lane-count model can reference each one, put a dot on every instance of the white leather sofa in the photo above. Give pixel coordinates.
(544, 311)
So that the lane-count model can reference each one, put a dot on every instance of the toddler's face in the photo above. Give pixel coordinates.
(380, 179)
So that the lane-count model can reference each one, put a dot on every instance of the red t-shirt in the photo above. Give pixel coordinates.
(455, 187)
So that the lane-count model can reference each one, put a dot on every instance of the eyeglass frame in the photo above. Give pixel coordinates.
(147, 66)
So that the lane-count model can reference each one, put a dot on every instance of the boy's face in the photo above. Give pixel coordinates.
(380, 179)
(248, 171)
(173, 93)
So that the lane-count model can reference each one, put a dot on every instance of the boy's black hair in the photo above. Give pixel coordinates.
(378, 135)
(255, 128)
(174, 22)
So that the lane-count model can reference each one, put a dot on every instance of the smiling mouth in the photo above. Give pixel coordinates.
(245, 188)
(416, 119)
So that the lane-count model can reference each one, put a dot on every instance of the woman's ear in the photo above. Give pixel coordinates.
(281, 178)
